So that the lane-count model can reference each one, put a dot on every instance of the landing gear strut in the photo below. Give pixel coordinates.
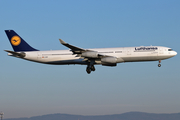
(159, 65)
(90, 67)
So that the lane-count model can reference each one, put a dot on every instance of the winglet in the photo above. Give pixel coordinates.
(62, 42)
(73, 48)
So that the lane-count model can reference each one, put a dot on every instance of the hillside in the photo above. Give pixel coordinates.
(124, 116)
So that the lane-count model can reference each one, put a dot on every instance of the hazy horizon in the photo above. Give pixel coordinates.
(134, 112)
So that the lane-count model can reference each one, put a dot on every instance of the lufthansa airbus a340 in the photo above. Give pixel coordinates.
(89, 57)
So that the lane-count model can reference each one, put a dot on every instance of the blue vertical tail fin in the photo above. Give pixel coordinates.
(17, 42)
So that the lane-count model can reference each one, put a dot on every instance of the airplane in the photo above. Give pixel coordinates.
(89, 57)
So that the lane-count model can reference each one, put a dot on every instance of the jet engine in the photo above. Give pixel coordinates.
(109, 60)
(90, 54)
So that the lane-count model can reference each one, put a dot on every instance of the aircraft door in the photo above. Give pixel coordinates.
(161, 51)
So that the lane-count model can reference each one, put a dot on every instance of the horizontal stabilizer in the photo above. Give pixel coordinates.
(21, 54)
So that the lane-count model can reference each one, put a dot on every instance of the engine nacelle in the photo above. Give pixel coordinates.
(90, 54)
(109, 60)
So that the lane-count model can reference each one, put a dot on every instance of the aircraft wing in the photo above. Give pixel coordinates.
(74, 49)
(77, 50)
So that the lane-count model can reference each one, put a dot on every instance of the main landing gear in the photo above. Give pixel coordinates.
(159, 65)
(90, 67)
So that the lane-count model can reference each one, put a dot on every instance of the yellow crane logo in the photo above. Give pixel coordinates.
(15, 40)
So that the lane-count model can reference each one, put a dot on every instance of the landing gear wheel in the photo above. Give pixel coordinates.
(159, 65)
(90, 66)
(88, 70)
(93, 68)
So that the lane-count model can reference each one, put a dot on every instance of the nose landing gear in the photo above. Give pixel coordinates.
(159, 65)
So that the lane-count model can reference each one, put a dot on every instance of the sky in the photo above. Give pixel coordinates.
(31, 89)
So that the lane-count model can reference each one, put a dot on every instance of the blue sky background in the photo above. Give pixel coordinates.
(30, 89)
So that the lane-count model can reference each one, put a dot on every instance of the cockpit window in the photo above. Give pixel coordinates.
(170, 49)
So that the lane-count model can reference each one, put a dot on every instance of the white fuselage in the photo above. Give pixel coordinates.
(123, 54)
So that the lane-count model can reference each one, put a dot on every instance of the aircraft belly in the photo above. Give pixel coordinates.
(144, 58)
(65, 62)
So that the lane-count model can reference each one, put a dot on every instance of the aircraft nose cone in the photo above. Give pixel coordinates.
(175, 53)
